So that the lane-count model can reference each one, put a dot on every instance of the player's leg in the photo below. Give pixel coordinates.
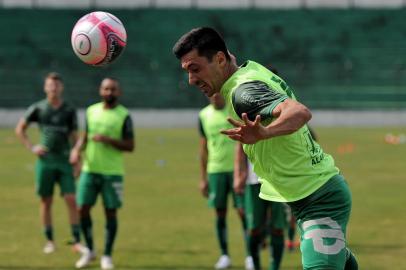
(255, 211)
(46, 217)
(291, 244)
(112, 193)
(45, 180)
(70, 201)
(322, 219)
(67, 184)
(277, 226)
(238, 202)
(218, 201)
(88, 188)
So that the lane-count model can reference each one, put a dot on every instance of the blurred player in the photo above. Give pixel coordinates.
(217, 165)
(109, 132)
(271, 124)
(57, 122)
(256, 211)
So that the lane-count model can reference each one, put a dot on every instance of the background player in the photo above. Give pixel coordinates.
(57, 122)
(257, 211)
(216, 167)
(109, 132)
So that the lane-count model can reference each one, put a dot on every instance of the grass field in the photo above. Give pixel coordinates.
(165, 223)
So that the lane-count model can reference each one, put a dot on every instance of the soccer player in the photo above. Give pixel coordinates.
(109, 132)
(257, 213)
(57, 122)
(271, 124)
(216, 167)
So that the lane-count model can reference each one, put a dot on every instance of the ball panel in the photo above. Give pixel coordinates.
(98, 38)
(115, 47)
(82, 44)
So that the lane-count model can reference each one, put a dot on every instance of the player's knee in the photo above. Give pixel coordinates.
(110, 213)
(70, 198)
(221, 212)
(277, 232)
(241, 212)
(255, 232)
(84, 211)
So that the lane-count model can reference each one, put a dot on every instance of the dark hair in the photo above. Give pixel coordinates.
(111, 78)
(114, 79)
(54, 76)
(205, 40)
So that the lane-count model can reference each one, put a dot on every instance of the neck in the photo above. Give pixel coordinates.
(55, 102)
(230, 69)
(110, 106)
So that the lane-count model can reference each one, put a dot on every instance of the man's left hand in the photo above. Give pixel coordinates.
(247, 132)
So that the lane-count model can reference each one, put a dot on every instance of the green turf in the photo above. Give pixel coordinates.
(165, 223)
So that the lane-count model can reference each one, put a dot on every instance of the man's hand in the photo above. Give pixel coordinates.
(39, 150)
(239, 187)
(74, 157)
(247, 132)
(204, 188)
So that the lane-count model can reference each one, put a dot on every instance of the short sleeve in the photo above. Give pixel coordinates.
(31, 114)
(256, 98)
(73, 121)
(128, 131)
(201, 130)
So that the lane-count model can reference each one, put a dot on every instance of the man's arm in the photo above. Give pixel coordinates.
(21, 133)
(126, 143)
(240, 169)
(203, 184)
(121, 144)
(77, 148)
(203, 154)
(290, 116)
(254, 102)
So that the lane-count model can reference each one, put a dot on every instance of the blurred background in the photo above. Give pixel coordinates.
(335, 54)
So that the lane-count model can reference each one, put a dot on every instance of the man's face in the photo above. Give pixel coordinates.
(53, 88)
(109, 91)
(206, 75)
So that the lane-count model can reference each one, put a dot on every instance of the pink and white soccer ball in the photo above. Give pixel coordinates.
(98, 38)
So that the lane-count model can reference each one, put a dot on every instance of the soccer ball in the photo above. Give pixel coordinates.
(98, 38)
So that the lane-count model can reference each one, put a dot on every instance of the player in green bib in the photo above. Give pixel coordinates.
(109, 132)
(216, 167)
(263, 217)
(57, 123)
(271, 124)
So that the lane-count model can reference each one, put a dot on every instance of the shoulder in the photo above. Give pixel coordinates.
(39, 105)
(69, 106)
(122, 110)
(250, 93)
(205, 110)
(94, 106)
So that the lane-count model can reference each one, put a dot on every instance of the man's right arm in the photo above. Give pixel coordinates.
(21, 131)
(203, 153)
(240, 169)
(78, 147)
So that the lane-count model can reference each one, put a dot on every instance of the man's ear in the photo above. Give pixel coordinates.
(221, 58)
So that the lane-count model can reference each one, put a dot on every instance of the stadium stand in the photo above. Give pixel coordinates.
(333, 58)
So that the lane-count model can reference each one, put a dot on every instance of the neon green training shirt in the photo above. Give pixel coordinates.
(115, 123)
(220, 148)
(289, 167)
